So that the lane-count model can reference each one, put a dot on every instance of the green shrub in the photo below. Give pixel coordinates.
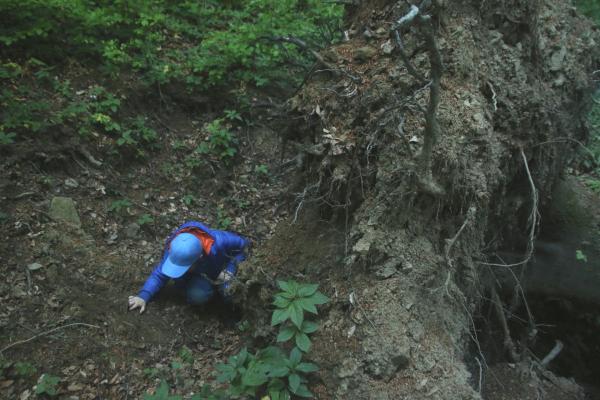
(47, 384)
(270, 371)
(202, 44)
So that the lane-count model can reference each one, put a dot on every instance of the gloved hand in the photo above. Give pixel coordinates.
(224, 276)
(137, 302)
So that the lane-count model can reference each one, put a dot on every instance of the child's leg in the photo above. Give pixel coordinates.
(198, 290)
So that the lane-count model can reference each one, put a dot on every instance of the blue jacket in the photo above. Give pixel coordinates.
(226, 252)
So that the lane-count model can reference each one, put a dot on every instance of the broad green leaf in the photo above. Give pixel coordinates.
(280, 301)
(278, 371)
(295, 356)
(255, 375)
(227, 373)
(294, 380)
(307, 304)
(319, 298)
(309, 327)
(296, 314)
(302, 341)
(307, 367)
(276, 385)
(279, 316)
(307, 289)
(285, 286)
(303, 391)
(286, 334)
(241, 357)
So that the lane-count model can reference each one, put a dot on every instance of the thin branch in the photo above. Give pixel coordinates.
(409, 67)
(553, 353)
(304, 46)
(47, 333)
(533, 217)
(508, 343)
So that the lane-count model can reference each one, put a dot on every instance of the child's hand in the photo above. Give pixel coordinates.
(137, 302)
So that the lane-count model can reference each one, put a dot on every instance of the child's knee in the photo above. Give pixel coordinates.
(198, 296)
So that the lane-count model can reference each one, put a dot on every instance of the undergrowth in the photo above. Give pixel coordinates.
(195, 46)
(275, 372)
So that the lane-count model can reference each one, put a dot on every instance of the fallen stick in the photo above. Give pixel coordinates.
(46, 333)
(553, 354)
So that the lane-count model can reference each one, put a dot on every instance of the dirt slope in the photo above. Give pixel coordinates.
(514, 79)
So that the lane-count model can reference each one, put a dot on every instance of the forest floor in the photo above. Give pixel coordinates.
(58, 277)
(388, 329)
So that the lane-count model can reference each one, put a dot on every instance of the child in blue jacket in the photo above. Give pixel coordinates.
(199, 259)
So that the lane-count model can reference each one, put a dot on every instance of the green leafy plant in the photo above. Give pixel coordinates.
(223, 221)
(151, 372)
(186, 355)
(270, 371)
(6, 137)
(261, 169)
(145, 219)
(580, 256)
(188, 199)
(221, 143)
(291, 303)
(47, 384)
(118, 206)
(24, 369)
(162, 393)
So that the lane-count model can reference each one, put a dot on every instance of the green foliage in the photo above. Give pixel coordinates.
(118, 206)
(47, 384)
(270, 371)
(261, 169)
(591, 8)
(189, 199)
(223, 221)
(186, 355)
(580, 256)
(221, 141)
(24, 369)
(291, 304)
(145, 219)
(162, 393)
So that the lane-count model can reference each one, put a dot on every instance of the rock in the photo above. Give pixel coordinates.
(381, 31)
(63, 209)
(364, 54)
(368, 34)
(132, 231)
(557, 59)
(75, 387)
(34, 266)
(348, 368)
(385, 272)
(71, 183)
(387, 48)
(385, 361)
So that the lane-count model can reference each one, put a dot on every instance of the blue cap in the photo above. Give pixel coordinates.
(185, 249)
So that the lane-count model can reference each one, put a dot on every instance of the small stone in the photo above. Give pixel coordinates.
(63, 209)
(348, 368)
(387, 47)
(34, 266)
(364, 54)
(557, 59)
(6, 383)
(71, 183)
(75, 387)
(386, 272)
(381, 31)
(368, 34)
(132, 231)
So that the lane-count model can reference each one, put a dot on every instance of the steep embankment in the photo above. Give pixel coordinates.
(413, 257)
